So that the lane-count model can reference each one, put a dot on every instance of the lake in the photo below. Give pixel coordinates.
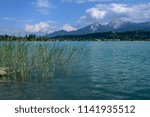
(109, 70)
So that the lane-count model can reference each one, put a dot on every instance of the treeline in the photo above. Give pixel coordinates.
(31, 37)
(108, 36)
(105, 36)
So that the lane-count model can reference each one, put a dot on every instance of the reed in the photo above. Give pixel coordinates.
(25, 60)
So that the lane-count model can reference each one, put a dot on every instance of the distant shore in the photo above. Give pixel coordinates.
(105, 36)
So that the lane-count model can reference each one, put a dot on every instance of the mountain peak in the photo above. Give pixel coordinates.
(117, 23)
(95, 26)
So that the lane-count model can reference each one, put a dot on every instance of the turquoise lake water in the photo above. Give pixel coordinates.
(109, 70)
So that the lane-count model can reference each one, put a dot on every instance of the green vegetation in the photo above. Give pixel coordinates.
(23, 60)
(108, 36)
(104, 36)
(30, 37)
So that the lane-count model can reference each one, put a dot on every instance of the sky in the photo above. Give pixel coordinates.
(46, 16)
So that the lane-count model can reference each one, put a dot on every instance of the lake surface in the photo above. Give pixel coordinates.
(109, 70)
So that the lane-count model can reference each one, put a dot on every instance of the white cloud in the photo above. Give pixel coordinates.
(16, 20)
(43, 6)
(7, 18)
(68, 27)
(84, 1)
(104, 13)
(42, 27)
(121, 8)
(95, 13)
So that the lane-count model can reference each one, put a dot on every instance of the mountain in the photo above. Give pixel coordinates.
(117, 25)
(124, 26)
(95, 27)
(58, 33)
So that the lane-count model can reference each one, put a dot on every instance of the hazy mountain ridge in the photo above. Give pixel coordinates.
(114, 26)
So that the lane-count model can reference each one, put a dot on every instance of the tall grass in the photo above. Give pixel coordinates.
(43, 60)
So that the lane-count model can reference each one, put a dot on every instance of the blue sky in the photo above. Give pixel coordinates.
(46, 16)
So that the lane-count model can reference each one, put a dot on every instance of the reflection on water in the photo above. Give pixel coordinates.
(109, 70)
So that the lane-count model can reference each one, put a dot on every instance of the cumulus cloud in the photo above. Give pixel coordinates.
(106, 12)
(121, 8)
(68, 27)
(95, 13)
(42, 27)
